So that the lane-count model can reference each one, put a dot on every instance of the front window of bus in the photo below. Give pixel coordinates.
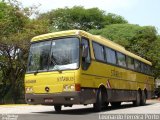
(38, 56)
(59, 54)
(64, 54)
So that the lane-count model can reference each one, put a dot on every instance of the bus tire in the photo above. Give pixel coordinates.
(143, 98)
(116, 104)
(98, 105)
(106, 104)
(138, 99)
(58, 108)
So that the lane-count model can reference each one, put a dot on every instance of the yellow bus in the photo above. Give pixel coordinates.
(76, 67)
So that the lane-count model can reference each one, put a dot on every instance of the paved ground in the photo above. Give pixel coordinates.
(38, 112)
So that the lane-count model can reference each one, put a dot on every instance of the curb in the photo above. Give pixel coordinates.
(14, 105)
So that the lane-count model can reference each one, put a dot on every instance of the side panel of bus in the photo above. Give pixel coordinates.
(121, 84)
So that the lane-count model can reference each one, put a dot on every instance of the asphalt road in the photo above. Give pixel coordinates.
(79, 112)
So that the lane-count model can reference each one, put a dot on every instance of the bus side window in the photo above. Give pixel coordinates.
(110, 55)
(142, 67)
(137, 65)
(149, 70)
(86, 58)
(98, 52)
(121, 59)
(130, 63)
(146, 68)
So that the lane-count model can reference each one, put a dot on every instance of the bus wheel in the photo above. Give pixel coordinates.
(57, 108)
(143, 98)
(138, 99)
(116, 104)
(98, 105)
(106, 104)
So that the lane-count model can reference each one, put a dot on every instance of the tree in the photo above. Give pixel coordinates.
(137, 39)
(11, 22)
(15, 34)
(80, 18)
(154, 55)
(111, 18)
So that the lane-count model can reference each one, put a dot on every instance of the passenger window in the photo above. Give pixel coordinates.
(149, 69)
(145, 69)
(130, 63)
(98, 51)
(142, 67)
(121, 59)
(137, 65)
(110, 55)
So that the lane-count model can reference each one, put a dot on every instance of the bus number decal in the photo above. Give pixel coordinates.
(115, 73)
(59, 79)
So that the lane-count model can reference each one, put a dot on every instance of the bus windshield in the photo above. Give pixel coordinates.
(59, 54)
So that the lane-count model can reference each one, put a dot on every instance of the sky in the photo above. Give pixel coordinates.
(142, 12)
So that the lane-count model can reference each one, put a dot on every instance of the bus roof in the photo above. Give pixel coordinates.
(96, 38)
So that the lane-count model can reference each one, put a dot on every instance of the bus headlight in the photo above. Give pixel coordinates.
(29, 89)
(68, 87)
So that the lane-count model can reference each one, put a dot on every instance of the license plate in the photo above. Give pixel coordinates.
(48, 100)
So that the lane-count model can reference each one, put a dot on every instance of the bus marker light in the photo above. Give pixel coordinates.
(71, 99)
(30, 100)
(77, 87)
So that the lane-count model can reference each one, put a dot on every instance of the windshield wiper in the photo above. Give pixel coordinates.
(36, 72)
(56, 65)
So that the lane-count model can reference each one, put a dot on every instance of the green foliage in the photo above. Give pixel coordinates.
(111, 18)
(80, 18)
(16, 31)
(154, 55)
(0, 76)
(11, 19)
(139, 40)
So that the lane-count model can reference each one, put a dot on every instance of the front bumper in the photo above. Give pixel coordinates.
(64, 98)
